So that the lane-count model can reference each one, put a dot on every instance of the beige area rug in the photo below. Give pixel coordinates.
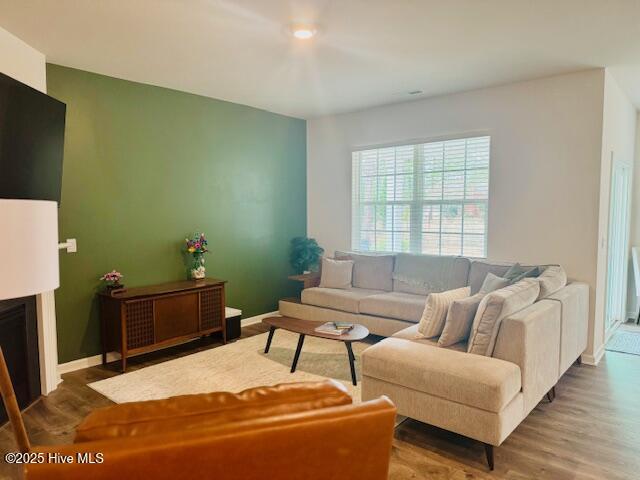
(235, 367)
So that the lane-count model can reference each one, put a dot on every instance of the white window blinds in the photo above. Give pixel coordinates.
(425, 198)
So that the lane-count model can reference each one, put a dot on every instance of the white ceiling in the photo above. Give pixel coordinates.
(367, 52)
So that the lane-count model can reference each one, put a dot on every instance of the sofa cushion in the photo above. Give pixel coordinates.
(457, 326)
(403, 306)
(370, 271)
(552, 279)
(411, 334)
(479, 269)
(435, 311)
(337, 299)
(336, 273)
(496, 306)
(423, 274)
(483, 382)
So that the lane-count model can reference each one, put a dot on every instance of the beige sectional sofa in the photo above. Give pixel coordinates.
(481, 397)
(389, 291)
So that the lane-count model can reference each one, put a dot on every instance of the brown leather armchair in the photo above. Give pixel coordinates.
(308, 431)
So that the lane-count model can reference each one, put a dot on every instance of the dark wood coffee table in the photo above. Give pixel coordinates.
(307, 327)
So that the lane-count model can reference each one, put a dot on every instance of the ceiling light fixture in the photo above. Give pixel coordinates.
(303, 31)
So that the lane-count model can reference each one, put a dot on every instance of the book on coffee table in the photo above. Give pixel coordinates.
(343, 325)
(334, 328)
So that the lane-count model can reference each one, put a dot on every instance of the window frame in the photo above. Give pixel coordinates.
(416, 230)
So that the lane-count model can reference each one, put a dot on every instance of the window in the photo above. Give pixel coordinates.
(426, 198)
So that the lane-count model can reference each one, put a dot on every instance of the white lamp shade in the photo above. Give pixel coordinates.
(28, 247)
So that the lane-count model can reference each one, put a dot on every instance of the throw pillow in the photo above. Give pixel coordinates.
(531, 273)
(370, 271)
(459, 320)
(494, 308)
(336, 273)
(517, 272)
(552, 279)
(493, 282)
(514, 271)
(435, 311)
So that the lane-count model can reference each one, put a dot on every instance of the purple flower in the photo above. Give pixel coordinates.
(112, 276)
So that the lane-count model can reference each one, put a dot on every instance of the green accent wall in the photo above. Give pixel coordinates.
(146, 166)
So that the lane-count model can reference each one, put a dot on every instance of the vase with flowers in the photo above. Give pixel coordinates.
(112, 279)
(196, 247)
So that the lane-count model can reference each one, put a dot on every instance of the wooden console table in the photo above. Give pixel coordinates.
(307, 280)
(142, 319)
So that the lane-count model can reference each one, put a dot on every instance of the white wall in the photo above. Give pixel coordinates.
(22, 62)
(618, 142)
(28, 65)
(546, 151)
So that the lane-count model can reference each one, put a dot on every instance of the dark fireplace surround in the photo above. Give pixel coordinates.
(19, 342)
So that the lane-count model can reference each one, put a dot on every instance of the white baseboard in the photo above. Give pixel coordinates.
(87, 362)
(593, 360)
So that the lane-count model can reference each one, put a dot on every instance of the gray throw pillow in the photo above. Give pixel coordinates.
(493, 282)
(531, 273)
(517, 272)
(436, 309)
(459, 320)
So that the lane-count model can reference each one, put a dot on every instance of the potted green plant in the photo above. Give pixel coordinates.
(305, 254)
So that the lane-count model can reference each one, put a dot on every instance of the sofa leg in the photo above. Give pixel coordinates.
(488, 450)
(579, 360)
(551, 394)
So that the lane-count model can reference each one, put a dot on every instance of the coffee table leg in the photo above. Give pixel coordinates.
(297, 355)
(271, 330)
(352, 359)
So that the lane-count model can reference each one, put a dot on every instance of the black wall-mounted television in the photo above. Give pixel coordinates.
(31, 142)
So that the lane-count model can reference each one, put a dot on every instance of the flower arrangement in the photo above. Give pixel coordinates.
(113, 279)
(197, 247)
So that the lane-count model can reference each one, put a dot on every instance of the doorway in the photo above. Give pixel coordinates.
(618, 246)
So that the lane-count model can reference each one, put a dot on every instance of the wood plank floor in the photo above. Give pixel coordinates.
(591, 430)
